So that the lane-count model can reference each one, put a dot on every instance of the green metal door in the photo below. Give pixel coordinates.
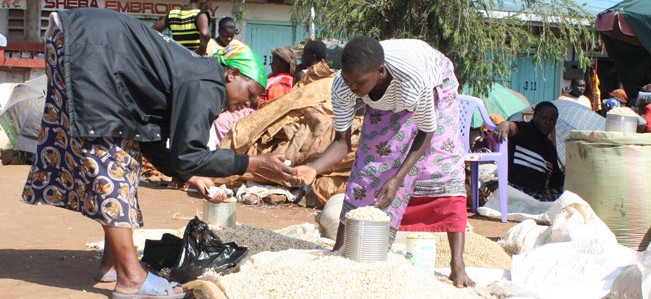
(263, 36)
(537, 83)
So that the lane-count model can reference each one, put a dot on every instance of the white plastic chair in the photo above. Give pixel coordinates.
(468, 104)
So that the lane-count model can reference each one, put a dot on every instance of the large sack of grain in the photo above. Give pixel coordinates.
(328, 219)
(609, 170)
(524, 237)
(635, 281)
(577, 269)
(572, 219)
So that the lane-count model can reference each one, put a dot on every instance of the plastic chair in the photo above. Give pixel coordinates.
(467, 105)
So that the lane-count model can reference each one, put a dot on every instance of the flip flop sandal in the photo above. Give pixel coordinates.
(154, 287)
(106, 277)
(113, 277)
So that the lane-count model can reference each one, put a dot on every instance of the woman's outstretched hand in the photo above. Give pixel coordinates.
(271, 167)
(304, 175)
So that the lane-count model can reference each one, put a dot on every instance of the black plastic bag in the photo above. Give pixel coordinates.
(163, 253)
(203, 250)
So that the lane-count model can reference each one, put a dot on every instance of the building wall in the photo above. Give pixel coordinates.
(26, 22)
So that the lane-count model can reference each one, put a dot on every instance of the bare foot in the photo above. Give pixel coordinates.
(459, 277)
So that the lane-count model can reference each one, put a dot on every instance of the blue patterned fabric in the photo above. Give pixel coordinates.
(97, 177)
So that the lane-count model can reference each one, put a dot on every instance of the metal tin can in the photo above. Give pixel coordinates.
(219, 214)
(366, 241)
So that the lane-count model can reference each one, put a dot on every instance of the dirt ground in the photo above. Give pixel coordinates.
(43, 251)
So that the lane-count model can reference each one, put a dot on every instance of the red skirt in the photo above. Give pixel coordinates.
(435, 214)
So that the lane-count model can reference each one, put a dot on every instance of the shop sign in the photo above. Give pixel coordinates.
(123, 6)
(13, 4)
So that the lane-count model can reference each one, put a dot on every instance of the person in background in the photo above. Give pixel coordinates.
(93, 135)
(577, 88)
(533, 159)
(227, 31)
(644, 107)
(189, 25)
(223, 124)
(314, 52)
(617, 99)
(593, 91)
(410, 92)
(279, 82)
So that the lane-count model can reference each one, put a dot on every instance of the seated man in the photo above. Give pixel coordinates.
(577, 88)
(533, 160)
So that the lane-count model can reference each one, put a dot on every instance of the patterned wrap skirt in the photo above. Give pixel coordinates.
(385, 142)
(97, 177)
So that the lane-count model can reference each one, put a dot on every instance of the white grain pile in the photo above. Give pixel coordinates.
(305, 275)
(368, 213)
(625, 111)
(259, 239)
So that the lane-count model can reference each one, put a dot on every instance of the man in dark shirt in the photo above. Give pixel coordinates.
(533, 160)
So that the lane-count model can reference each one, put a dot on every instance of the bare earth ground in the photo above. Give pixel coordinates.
(43, 250)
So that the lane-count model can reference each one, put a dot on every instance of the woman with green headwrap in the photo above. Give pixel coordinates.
(117, 90)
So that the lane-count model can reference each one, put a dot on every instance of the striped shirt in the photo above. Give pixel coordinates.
(183, 24)
(416, 71)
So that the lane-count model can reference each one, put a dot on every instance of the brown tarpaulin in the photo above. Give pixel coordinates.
(298, 125)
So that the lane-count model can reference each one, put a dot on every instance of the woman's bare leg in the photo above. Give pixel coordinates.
(340, 237)
(106, 265)
(458, 273)
(125, 259)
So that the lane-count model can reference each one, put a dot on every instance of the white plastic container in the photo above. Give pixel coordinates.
(219, 214)
(421, 252)
(621, 123)
(366, 241)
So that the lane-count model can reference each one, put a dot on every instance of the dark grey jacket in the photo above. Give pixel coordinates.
(126, 80)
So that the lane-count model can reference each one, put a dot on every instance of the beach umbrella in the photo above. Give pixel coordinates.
(22, 113)
(626, 31)
(571, 116)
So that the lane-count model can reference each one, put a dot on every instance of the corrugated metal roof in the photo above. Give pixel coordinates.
(592, 6)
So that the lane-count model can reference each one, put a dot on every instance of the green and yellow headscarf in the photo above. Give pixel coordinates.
(240, 56)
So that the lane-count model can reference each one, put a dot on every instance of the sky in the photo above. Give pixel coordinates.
(593, 6)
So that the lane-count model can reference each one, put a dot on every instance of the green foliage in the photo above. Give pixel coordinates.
(481, 47)
(239, 10)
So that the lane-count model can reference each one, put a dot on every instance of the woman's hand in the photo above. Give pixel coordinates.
(304, 175)
(203, 184)
(388, 193)
(271, 167)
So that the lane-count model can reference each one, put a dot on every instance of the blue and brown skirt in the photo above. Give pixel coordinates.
(97, 177)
